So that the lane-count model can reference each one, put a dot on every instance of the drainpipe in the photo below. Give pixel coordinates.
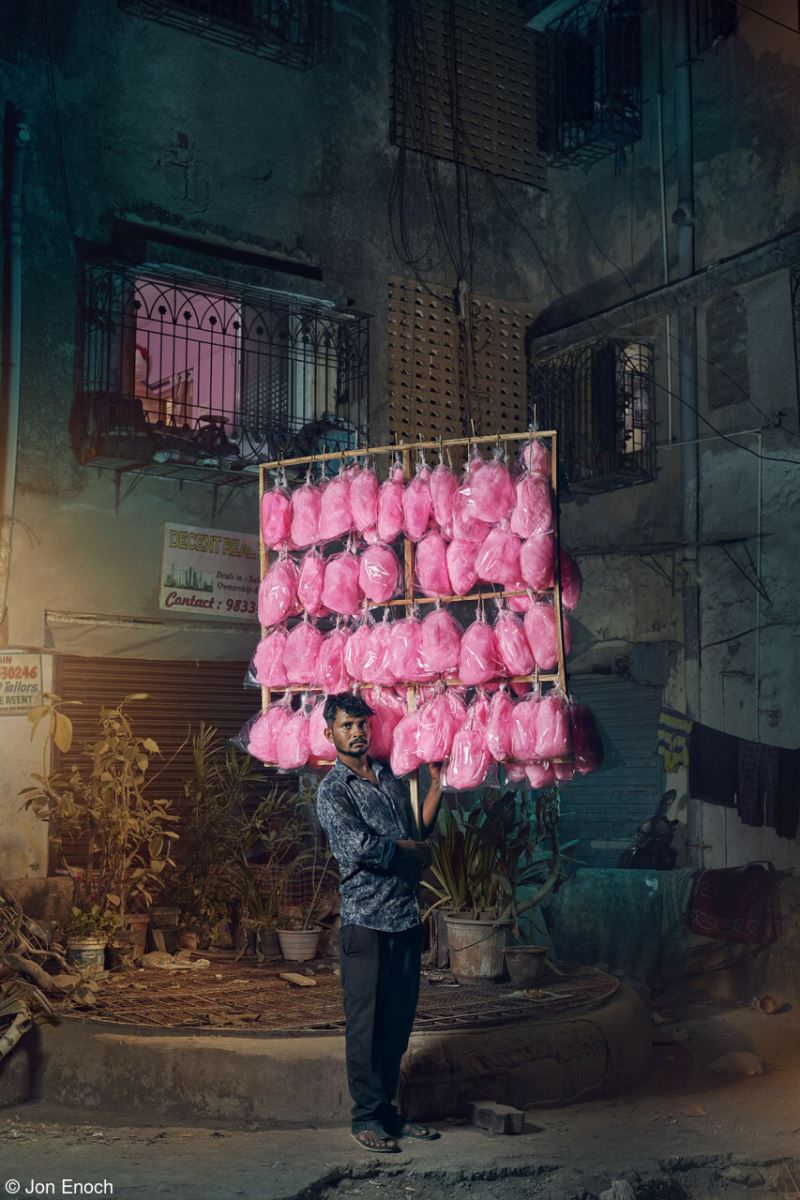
(19, 137)
(684, 219)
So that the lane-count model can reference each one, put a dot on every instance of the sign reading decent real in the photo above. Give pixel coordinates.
(211, 571)
(20, 682)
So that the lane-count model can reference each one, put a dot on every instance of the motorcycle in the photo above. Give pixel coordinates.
(652, 847)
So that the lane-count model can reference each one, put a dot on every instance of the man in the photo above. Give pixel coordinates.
(367, 816)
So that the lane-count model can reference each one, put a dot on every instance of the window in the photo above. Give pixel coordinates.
(591, 81)
(600, 398)
(184, 369)
(726, 338)
(464, 85)
(712, 20)
(293, 32)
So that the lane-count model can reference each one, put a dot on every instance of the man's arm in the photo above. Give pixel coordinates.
(350, 840)
(430, 805)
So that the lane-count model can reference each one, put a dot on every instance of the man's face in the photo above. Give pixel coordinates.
(350, 735)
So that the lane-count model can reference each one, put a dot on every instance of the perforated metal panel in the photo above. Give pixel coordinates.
(441, 378)
(464, 77)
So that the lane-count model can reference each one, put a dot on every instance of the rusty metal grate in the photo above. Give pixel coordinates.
(231, 996)
(442, 376)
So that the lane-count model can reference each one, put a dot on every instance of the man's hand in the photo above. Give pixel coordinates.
(436, 775)
(421, 852)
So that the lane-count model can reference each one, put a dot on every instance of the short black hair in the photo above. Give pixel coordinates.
(347, 702)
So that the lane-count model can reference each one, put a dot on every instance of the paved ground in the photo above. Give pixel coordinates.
(688, 1135)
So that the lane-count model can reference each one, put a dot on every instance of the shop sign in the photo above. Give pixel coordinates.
(20, 682)
(209, 571)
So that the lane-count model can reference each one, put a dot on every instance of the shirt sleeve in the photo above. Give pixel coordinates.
(352, 843)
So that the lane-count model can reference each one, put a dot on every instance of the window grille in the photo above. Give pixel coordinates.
(712, 21)
(600, 398)
(591, 81)
(464, 85)
(176, 368)
(294, 32)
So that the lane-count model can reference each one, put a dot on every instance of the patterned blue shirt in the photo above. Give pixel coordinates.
(363, 822)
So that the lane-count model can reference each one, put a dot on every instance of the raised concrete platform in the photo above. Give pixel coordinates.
(279, 1082)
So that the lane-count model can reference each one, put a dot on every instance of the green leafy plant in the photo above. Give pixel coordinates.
(93, 922)
(108, 803)
(324, 899)
(486, 856)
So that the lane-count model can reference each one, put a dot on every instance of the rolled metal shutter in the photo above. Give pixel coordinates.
(179, 696)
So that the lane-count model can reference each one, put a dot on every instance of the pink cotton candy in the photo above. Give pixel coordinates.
(276, 517)
(443, 485)
(388, 710)
(479, 708)
(571, 581)
(440, 643)
(378, 573)
(430, 562)
(540, 630)
(541, 774)
(461, 568)
(537, 558)
(303, 646)
(310, 583)
(488, 494)
(479, 659)
(469, 758)
(523, 730)
(519, 604)
(404, 651)
(267, 731)
(553, 736)
(277, 593)
(587, 745)
(536, 457)
(319, 746)
(340, 590)
(356, 649)
(466, 527)
(331, 673)
(335, 514)
(563, 771)
(294, 743)
(515, 772)
(533, 506)
(364, 500)
(417, 505)
(436, 730)
(268, 665)
(512, 644)
(375, 663)
(498, 726)
(404, 757)
(390, 506)
(497, 560)
(306, 503)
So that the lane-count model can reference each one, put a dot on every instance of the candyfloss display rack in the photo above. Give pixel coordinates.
(407, 453)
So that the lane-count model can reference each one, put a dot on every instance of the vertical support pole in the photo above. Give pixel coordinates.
(562, 667)
(411, 691)
(263, 558)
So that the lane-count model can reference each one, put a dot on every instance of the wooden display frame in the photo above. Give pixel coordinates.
(406, 452)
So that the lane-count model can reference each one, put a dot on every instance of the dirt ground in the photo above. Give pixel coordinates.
(689, 1134)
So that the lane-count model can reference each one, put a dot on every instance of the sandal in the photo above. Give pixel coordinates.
(420, 1133)
(368, 1139)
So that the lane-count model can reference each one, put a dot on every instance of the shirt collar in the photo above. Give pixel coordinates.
(342, 768)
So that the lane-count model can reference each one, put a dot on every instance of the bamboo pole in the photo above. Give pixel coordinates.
(559, 614)
(411, 691)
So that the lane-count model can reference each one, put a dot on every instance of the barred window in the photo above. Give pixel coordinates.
(600, 397)
(293, 32)
(181, 366)
(711, 22)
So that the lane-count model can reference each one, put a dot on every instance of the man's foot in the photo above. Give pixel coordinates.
(376, 1143)
(410, 1129)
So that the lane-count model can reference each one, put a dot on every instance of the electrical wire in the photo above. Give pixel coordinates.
(766, 17)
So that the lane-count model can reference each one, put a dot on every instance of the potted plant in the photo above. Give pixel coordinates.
(300, 929)
(88, 932)
(108, 802)
(481, 863)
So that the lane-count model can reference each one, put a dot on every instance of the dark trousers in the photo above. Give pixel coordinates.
(380, 978)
